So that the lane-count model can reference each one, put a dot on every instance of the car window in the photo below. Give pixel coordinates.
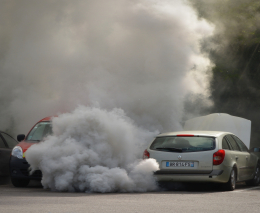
(183, 144)
(40, 131)
(232, 142)
(9, 140)
(225, 144)
(241, 145)
(2, 144)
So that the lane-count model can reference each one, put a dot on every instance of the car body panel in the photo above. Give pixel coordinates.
(202, 160)
(5, 153)
(19, 168)
(202, 133)
(25, 145)
(4, 161)
(239, 159)
(243, 162)
(221, 176)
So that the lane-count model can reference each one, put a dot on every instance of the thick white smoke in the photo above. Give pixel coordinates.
(141, 56)
(94, 150)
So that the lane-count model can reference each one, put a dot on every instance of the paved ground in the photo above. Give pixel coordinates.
(181, 198)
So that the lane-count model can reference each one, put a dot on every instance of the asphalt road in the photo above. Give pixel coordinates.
(179, 198)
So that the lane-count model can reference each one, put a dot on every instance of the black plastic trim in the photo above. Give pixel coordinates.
(21, 166)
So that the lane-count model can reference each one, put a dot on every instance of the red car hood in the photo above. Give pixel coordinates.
(25, 145)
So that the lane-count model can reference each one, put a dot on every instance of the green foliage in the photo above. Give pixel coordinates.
(226, 74)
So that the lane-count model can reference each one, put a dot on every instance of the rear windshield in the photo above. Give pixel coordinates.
(40, 131)
(183, 144)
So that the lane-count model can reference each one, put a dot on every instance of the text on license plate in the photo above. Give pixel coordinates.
(179, 164)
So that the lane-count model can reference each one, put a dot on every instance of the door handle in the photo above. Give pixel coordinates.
(236, 158)
(246, 158)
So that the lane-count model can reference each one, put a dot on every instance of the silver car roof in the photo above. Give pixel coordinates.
(201, 133)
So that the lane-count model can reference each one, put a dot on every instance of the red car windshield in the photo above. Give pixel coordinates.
(40, 131)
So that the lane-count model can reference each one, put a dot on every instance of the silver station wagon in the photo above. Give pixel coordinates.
(204, 156)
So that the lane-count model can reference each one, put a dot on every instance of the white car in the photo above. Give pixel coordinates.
(204, 156)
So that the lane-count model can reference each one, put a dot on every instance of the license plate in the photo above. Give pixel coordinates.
(179, 164)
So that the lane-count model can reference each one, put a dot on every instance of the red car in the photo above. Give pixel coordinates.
(19, 172)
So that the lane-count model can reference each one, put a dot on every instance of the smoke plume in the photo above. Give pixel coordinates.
(234, 50)
(141, 56)
(132, 63)
(94, 150)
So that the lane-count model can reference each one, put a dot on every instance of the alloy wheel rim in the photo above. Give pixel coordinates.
(233, 179)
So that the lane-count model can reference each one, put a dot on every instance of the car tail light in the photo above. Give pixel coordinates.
(218, 157)
(146, 154)
(185, 135)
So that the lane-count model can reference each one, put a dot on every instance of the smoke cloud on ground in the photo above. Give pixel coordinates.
(94, 150)
(131, 62)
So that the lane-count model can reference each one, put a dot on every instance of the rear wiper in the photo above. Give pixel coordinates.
(172, 149)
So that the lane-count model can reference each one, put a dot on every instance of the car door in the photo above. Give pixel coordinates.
(5, 153)
(240, 158)
(11, 142)
(250, 160)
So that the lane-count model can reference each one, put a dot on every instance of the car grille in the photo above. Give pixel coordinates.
(36, 173)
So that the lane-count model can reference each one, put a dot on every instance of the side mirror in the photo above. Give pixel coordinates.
(20, 137)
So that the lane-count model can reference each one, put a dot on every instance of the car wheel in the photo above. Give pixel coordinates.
(20, 182)
(231, 184)
(256, 180)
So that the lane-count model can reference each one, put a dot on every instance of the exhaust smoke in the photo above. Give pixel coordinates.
(141, 56)
(131, 62)
(94, 150)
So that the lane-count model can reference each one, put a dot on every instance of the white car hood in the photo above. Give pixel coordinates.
(222, 122)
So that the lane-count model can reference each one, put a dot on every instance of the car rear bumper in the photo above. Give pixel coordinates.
(19, 168)
(217, 176)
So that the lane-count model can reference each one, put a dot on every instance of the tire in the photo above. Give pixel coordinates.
(231, 184)
(256, 179)
(20, 182)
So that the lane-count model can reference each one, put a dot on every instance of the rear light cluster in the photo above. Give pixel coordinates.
(146, 154)
(218, 157)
